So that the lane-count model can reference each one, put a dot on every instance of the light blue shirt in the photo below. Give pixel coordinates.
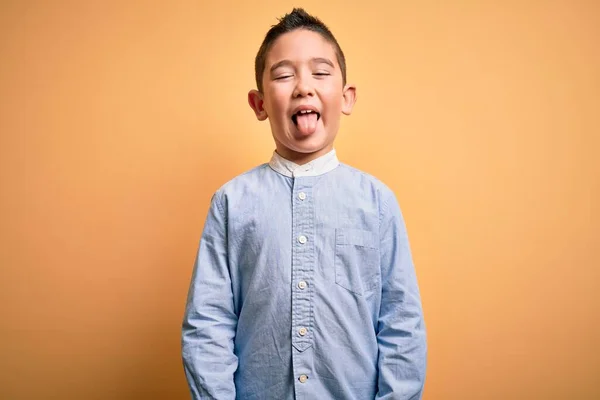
(304, 288)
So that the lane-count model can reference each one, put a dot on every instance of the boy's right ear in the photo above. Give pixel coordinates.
(255, 99)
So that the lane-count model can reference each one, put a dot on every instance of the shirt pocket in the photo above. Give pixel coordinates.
(356, 260)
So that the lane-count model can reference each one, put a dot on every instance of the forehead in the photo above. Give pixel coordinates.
(300, 45)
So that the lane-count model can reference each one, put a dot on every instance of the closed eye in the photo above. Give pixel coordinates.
(283, 77)
(321, 74)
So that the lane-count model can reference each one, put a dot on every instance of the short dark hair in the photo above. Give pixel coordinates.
(297, 19)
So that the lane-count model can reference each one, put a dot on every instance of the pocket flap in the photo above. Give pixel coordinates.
(356, 237)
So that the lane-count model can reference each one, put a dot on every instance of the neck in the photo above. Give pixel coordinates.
(302, 158)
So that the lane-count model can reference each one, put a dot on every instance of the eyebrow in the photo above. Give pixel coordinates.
(320, 60)
(280, 64)
(315, 60)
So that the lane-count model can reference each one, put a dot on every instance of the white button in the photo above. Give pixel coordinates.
(302, 195)
(302, 285)
(302, 331)
(302, 239)
(303, 378)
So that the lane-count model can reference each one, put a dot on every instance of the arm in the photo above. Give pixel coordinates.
(210, 321)
(401, 330)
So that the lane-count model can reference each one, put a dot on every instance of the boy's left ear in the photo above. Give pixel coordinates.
(349, 95)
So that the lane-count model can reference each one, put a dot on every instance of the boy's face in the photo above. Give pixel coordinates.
(303, 95)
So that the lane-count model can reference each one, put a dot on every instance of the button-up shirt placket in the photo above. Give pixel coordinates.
(303, 260)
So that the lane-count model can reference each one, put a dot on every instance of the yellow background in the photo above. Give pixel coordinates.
(118, 120)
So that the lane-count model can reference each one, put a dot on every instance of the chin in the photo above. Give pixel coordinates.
(309, 149)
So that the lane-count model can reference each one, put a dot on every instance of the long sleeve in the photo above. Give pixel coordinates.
(210, 321)
(401, 330)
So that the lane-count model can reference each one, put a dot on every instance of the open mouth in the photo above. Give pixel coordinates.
(308, 114)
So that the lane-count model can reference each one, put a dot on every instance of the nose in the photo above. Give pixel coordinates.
(303, 87)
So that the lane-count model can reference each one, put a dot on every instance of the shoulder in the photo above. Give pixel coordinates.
(244, 179)
(369, 185)
(249, 183)
(364, 180)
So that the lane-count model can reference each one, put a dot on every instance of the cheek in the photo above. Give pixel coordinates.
(333, 101)
(276, 104)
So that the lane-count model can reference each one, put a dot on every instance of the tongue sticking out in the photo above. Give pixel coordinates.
(307, 123)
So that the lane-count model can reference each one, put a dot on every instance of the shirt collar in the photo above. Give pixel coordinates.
(318, 166)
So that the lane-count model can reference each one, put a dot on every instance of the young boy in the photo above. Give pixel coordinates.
(304, 286)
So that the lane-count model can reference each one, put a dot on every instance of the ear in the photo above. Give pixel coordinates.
(255, 99)
(349, 95)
